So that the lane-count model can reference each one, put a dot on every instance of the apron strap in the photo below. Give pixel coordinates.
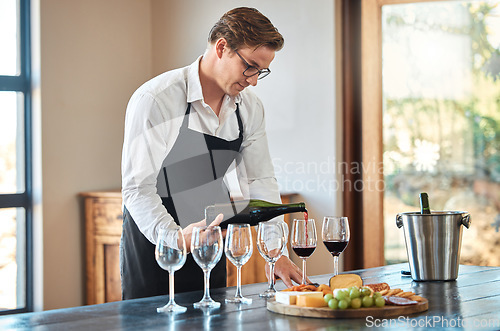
(240, 123)
(166, 181)
(185, 121)
(213, 164)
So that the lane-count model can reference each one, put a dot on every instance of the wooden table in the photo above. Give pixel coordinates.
(470, 302)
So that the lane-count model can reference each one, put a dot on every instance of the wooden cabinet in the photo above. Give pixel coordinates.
(103, 228)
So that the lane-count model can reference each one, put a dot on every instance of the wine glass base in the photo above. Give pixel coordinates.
(171, 308)
(206, 304)
(239, 300)
(268, 294)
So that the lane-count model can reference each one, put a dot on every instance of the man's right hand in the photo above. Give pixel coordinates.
(188, 230)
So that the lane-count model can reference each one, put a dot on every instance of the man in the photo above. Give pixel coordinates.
(183, 130)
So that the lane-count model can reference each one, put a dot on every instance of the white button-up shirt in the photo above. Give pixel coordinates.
(153, 118)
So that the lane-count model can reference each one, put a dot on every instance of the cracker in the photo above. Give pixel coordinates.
(393, 292)
(405, 294)
(416, 298)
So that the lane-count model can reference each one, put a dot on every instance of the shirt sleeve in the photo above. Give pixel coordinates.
(144, 149)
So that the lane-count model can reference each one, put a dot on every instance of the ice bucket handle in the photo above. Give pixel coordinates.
(399, 221)
(466, 220)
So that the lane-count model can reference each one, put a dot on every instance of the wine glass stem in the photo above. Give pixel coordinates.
(335, 265)
(271, 276)
(238, 282)
(171, 288)
(304, 275)
(207, 285)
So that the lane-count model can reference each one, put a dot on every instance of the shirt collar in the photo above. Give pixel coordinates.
(194, 92)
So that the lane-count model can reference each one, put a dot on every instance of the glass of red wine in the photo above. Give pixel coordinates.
(303, 241)
(335, 235)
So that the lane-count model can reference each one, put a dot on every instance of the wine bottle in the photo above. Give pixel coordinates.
(250, 211)
(424, 204)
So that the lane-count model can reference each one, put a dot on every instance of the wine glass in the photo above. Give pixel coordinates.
(271, 241)
(303, 241)
(170, 254)
(206, 247)
(238, 249)
(335, 237)
(286, 232)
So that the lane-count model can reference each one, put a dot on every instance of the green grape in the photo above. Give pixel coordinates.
(333, 303)
(348, 299)
(367, 301)
(365, 291)
(356, 303)
(377, 295)
(328, 297)
(341, 295)
(354, 293)
(379, 301)
(343, 304)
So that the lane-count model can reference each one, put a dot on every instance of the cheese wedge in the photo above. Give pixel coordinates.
(345, 280)
(290, 297)
(315, 299)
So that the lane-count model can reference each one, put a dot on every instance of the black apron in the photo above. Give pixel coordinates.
(191, 178)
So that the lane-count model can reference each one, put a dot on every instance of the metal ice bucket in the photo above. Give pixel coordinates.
(433, 243)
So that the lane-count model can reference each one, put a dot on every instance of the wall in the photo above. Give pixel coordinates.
(94, 54)
(299, 95)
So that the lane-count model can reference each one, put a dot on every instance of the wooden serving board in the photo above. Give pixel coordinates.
(386, 311)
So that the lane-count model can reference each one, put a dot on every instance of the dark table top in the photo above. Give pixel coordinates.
(470, 302)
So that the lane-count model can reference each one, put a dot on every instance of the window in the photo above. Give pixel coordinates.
(15, 158)
(430, 116)
(441, 118)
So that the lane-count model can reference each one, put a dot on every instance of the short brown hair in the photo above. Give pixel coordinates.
(246, 26)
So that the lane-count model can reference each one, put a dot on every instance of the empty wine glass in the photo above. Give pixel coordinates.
(303, 241)
(271, 241)
(336, 236)
(238, 249)
(206, 247)
(170, 254)
(286, 232)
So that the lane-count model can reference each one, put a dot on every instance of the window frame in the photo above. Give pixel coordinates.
(22, 83)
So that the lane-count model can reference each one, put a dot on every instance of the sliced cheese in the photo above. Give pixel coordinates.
(315, 300)
(290, 297)
(287, 298)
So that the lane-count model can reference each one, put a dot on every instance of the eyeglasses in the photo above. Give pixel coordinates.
(252, 71)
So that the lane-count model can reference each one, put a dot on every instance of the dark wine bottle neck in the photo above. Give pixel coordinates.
(424, 204)
(267, 213)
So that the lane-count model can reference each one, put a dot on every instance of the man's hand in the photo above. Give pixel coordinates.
(287, 271)
(188, 230)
